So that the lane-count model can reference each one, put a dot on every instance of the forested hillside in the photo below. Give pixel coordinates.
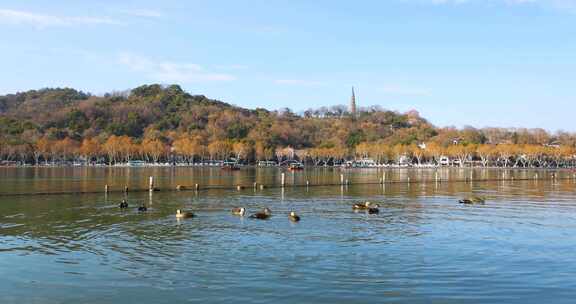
(154, 122)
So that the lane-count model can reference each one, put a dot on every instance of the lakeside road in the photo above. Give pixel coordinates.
(185, 165)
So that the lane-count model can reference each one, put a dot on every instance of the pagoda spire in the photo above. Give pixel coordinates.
(353, 104)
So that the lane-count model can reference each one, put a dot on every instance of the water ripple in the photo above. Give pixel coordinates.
(422, 247)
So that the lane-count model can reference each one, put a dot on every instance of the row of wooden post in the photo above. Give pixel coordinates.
(343, 181)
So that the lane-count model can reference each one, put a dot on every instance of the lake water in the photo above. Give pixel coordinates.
(423, 247)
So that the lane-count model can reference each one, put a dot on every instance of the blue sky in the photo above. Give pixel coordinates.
(505, 63)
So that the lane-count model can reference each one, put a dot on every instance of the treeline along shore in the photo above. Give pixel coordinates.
(165, 125)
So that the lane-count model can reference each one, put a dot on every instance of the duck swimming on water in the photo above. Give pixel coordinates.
(373, 210)
(293, 217)
(362, 206)
(472, 200)
(240, 211)
(142, 208)
(123, 204)
(184, 214)
(262, 215)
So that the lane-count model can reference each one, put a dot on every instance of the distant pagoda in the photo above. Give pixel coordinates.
(353, 104)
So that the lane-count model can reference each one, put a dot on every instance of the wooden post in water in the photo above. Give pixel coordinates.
(125, 189)
(436, 177)
(383, 177)
(307, 183)
(106, 188)
(151, 183)
(255, 185)
(261, 187)
(283, 179)
(346, 182)
(196, 187)
(408, 179)
(178, 187)
(341, 179)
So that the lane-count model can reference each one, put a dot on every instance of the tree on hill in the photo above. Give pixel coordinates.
(158, 122)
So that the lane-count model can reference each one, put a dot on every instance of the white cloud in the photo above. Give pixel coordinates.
(561, 4)
(165, 71)
(558, 4)
(41, 21)
(146, 13)
(299, 82)
(231, 67)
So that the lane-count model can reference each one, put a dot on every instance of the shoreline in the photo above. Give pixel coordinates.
(435, 167)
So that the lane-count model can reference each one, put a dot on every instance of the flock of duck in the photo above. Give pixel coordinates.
(266, 213)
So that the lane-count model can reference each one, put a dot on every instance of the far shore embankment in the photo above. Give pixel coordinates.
(390, 166)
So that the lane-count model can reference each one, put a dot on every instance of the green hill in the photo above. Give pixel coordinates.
(62, 122)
